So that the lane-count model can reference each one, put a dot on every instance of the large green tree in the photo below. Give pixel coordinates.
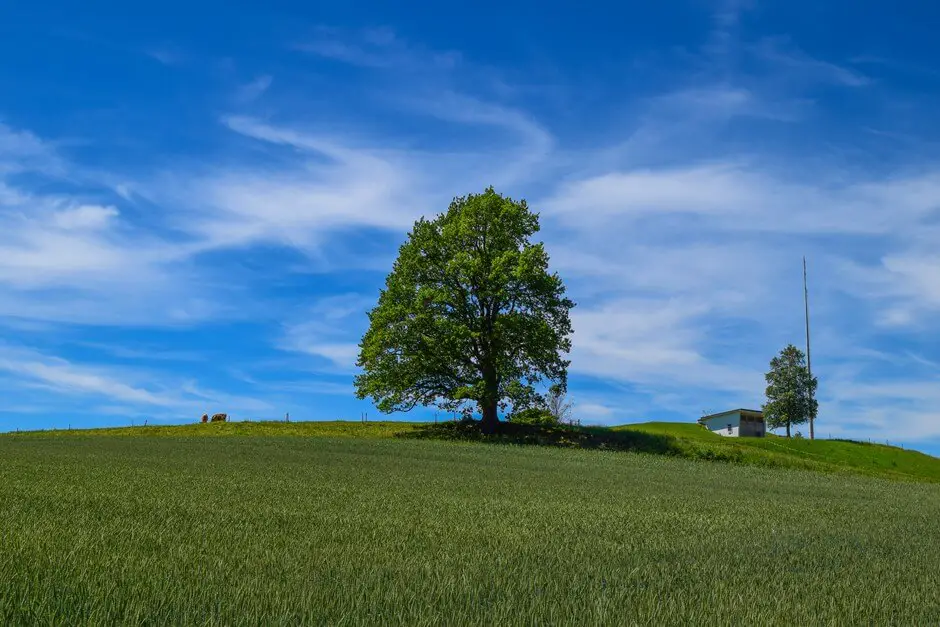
(470, 314)
(791, 390)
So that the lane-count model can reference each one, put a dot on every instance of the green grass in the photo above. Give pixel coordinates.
(685, 440)
(823, 455)
(335, 428)
(134, 529)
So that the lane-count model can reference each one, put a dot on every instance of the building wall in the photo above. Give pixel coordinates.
(720, 425)
(748, 425)
(752, 428)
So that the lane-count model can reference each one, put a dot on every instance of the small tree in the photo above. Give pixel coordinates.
(791, 391)
(558, 405)
(470, 315)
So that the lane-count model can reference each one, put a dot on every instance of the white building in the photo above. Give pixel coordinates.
(736, 423)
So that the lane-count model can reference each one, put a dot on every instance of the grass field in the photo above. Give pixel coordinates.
(684, 440)
(275, 529)
(877, 460)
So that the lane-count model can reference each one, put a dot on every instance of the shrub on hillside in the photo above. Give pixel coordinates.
(219, 417)
(205, 417)
(533, 416)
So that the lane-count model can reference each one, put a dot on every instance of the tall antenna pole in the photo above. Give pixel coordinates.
(809, 367)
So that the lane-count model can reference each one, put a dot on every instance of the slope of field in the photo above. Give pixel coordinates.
(339, 530)
(664, 438)
(332, 428)
(824, 455)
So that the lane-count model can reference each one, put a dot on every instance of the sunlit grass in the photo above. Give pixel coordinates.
(341, 530)
(686, 440)
(822, 454)
(331, 428)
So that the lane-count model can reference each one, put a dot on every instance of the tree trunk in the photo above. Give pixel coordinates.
(490, 400)
(490, 417)
(788, 428)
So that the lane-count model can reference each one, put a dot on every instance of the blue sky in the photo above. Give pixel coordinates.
(199, 202)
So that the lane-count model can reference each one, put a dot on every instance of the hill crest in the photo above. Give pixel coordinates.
(683, 440)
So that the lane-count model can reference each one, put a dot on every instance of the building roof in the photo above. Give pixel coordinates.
(732, 411)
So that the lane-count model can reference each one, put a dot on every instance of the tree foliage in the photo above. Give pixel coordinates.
(791, 391)
(470, 315)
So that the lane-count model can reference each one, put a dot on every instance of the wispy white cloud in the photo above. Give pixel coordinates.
(715, 103)
(342, 355)
(521, 158)
(166, 54)
(896, 410)
(326, 186)
(65, 377)
(654, 343)
(907, 282)
(593, 413)
(22, 151)
(254, 89)
(46, 241)
(61, 259)
(329, 330)
(739, 197)
(66, 258)
(145, 392)
(460, 108)
(784, 55)
(109, 266)
(145, 353)
(297, 205)
(313, 387)
(728, 51)
(379, 48)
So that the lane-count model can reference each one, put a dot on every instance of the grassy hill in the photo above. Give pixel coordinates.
(685, 440)
(121, 527)
(334, 428)
(877, 460)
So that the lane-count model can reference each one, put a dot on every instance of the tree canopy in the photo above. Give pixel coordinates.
(470, 314)
(791, 390)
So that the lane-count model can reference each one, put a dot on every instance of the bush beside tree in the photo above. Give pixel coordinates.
(533, 416)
